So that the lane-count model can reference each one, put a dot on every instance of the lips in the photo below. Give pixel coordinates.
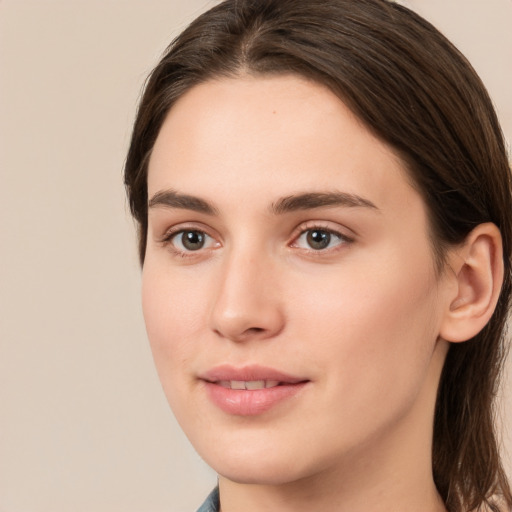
(251, 390)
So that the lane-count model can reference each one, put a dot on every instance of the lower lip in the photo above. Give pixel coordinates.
(250, 402)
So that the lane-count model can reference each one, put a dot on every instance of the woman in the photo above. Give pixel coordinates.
(323, 200)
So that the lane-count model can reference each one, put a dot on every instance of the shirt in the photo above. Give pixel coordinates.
(212, 503)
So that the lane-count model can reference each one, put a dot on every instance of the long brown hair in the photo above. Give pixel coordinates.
(415, 91)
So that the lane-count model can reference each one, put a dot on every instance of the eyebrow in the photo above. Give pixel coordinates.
(292, 203)
(173, 199)
(311, 200)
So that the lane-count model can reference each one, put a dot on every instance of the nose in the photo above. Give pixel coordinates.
(248, 303)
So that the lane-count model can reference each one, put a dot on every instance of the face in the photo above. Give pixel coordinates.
(289, 288)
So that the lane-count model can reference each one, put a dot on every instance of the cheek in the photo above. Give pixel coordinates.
(378, 324)
(174, 314)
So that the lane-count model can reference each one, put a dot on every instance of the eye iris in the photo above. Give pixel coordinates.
(193, 240)
(318, 239)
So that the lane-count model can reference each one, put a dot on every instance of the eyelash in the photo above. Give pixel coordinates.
(303, 230)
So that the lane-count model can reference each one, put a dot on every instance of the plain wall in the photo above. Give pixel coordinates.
(84, 425)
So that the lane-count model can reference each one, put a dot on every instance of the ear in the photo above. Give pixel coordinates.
(477, 272)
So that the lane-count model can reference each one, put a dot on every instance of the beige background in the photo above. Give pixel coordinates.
(83, 423)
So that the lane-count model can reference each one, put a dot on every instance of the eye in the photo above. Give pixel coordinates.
(319, 239)
(189, 240)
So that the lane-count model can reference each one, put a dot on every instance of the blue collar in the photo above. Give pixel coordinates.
(212, 503)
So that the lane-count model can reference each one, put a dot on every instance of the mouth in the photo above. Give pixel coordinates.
(249, 377)
(248, 385)
(251, 390)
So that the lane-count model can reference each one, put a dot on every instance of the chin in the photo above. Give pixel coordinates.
(250, 472)
(262, 463)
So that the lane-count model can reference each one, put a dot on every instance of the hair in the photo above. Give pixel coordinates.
(414, 90)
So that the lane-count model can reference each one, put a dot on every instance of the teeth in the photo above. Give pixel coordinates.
(255, 384)
(248, 384)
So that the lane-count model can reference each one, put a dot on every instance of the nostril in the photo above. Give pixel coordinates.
(254, 330)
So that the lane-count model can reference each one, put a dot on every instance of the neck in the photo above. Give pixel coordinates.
(366, 485)
(338, 498)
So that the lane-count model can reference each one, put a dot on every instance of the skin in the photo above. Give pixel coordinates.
(360, 319)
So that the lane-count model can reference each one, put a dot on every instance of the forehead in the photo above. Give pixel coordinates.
(270, 136)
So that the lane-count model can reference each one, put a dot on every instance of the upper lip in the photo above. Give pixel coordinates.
(248, 373)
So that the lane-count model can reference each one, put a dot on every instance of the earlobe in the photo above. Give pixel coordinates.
(477, 268)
